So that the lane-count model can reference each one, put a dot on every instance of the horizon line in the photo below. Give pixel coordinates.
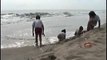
(52, 9)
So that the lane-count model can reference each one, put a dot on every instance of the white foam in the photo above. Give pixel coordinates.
(70, 34)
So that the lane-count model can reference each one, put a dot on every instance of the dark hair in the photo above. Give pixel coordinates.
(37, 17)
(92, 14)
(64, 30)
(80, 28)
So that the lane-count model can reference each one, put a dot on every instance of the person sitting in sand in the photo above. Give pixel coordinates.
(79, 31)
(93, 19)
(38, 28)
(61, 36)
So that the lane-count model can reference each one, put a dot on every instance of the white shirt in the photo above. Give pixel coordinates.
(96, 18)
(37, 24)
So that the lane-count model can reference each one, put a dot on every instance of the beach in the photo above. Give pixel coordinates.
(16, 27)
(70, 49)
(17, 42)
(53, 29)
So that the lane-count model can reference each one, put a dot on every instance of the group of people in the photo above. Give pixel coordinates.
(38, 28)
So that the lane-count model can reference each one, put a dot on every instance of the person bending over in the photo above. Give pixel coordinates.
(93, 19)
(79, 31)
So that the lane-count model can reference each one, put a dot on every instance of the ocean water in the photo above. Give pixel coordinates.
(16, 26)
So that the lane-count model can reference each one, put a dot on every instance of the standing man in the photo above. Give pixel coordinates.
(93, 19)
(38, 29)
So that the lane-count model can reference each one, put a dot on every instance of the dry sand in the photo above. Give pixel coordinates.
(65, 50)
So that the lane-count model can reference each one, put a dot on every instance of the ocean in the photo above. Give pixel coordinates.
(16, 26)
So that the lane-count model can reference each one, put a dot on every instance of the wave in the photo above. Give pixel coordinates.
(17, 17)
(21, 43)
(8, 18)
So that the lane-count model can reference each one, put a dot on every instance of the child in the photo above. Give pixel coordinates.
(38, 28)
(79, 32)
(61, 36)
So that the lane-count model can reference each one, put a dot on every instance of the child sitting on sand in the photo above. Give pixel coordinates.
(79, 32)
(61, 36)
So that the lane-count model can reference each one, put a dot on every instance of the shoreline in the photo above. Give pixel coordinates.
(69, 36)
(19, 34)
(31, 52)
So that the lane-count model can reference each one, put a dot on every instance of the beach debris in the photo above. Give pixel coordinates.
(87, 44)
(50, 57)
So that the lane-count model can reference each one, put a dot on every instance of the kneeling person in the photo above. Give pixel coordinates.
(79, 32)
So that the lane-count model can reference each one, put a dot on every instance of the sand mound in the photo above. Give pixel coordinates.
(75, 50)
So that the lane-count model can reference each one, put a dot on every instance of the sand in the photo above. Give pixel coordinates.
(70, 49)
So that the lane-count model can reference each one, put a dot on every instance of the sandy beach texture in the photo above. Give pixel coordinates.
(70, 49)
